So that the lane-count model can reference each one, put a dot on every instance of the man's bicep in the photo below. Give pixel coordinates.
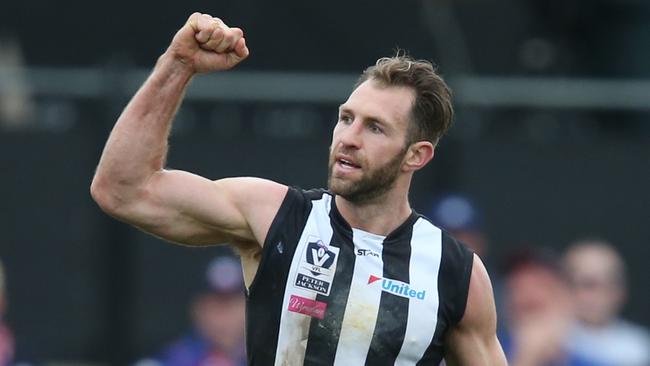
(473, 341)
(189, 209)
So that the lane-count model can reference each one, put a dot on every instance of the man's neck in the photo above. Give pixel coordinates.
(381, 216)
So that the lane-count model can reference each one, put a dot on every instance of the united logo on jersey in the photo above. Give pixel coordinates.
(398, 288)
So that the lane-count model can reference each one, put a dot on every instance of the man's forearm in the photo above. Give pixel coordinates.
(137, 146)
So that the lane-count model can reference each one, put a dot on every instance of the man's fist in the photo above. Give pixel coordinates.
(207, 44)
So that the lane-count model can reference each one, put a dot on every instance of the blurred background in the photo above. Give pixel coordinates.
(551, 145)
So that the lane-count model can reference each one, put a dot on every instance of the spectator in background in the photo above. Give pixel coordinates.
(597, 275)
(458, 215)
(539, 309)
(6, 338)
(218, 316)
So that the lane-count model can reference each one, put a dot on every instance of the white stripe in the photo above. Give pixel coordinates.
(426, 252)
(294, 327)
(363, 304)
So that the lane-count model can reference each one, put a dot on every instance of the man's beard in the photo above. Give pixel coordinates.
(371, 185)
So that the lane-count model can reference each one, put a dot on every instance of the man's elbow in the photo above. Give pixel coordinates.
(108, 196)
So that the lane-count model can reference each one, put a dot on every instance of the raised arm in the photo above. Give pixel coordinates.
(473, 341)
(131, 183)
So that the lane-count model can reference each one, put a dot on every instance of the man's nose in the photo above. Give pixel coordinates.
(350, 135)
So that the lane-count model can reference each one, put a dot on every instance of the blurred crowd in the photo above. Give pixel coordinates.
(555, 310)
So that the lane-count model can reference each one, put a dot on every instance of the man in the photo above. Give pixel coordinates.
(217, 337)
(538, 303)
(459, 216)
(597, 274)
(348, 276)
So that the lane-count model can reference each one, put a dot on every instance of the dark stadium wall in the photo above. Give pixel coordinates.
(338, 35)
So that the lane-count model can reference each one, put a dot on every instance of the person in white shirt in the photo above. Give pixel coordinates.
(597, 275)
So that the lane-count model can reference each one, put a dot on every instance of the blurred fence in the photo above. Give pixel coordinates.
(285, 87)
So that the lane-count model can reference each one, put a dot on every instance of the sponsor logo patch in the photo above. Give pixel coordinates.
(319, 257)
(313, 308)
(313, 284)
(317, 266)
(398, 288)
(367, 252)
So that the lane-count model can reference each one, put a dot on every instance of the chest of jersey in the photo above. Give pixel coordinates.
(355, 298)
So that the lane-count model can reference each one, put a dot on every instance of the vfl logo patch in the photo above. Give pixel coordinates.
(317, 266)
(299, 304)
(398, 288)
(319, 257)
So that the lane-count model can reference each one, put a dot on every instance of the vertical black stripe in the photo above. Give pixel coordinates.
(324, 333)
(453, 285)
(264, 300)
(390, 329)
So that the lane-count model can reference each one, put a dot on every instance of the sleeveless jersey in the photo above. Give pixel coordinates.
(329, 294)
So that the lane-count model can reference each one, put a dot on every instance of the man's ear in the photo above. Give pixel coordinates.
(418, 155)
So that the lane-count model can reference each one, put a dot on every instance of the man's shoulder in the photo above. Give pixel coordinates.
(448, 240)
(626, 329)
(297, 197)
(456, 263)
(311, 193)
(617, 330)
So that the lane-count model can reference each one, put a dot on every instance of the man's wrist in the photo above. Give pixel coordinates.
(172, 69)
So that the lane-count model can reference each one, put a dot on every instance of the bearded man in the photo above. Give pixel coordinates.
(345, 276)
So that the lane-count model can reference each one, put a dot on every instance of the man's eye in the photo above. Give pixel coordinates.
(345, 119)
(375, 129)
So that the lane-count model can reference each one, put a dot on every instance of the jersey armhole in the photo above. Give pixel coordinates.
(292, 206)
(292, 198)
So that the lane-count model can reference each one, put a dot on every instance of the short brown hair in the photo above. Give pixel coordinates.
(432, 110)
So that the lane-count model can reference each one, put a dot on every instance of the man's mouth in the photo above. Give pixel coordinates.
(346, 163)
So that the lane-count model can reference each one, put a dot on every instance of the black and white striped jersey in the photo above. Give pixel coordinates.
(329, 294)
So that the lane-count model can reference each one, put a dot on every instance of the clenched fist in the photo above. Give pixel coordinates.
(207, 44)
